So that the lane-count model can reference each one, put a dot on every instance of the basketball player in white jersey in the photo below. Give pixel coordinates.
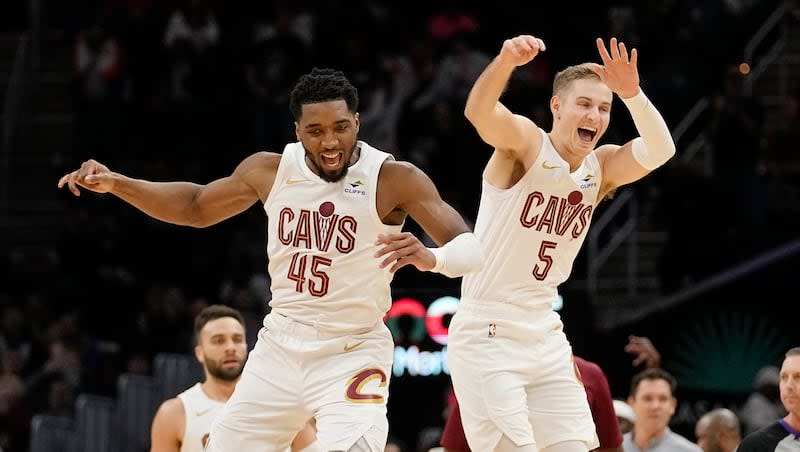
(182, 423)
(511, 363)
(335, 211)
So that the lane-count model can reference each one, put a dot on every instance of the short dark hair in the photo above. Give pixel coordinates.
(214, 312)
(322, 85)
(653, 373)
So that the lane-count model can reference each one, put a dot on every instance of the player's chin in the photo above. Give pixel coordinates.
(231, 374)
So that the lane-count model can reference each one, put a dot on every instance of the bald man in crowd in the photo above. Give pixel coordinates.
(718, 430)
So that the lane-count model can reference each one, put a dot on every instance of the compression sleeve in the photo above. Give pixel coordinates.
(655, 145)
(461, 255)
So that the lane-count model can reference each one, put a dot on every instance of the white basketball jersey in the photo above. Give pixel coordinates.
(532, 232)
(200, 413)
(321, 244)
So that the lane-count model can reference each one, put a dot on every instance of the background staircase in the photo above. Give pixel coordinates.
(781, 71)
(38, 128)
(621, 273)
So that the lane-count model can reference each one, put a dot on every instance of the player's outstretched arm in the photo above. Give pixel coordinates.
(497, 125)
(655, 146)
(182, 203)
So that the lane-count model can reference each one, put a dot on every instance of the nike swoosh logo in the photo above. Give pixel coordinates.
(546, 165)
(290, 181)
(349, 347)
(202, 412)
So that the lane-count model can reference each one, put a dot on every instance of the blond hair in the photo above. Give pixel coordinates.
(572, 73)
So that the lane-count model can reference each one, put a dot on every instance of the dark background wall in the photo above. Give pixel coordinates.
(107, 288)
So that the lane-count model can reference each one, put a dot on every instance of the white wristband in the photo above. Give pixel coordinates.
(461, 255)
(656, 145)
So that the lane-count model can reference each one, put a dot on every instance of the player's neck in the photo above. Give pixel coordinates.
(355, 155)
(218, 390)
(793, 421)
(562, 146)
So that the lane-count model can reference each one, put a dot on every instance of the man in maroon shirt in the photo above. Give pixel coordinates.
(601, 404)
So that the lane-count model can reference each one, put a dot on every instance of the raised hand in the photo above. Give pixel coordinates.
(521, 49)
(644, 351)
(618, 71)
(92, 175)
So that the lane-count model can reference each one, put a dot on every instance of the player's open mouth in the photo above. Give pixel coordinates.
(331, 159)
(587, 134)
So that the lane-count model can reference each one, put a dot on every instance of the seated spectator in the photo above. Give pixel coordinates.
(763, 405)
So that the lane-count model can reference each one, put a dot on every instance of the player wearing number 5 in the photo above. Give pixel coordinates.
(516, 387)
(335, 208)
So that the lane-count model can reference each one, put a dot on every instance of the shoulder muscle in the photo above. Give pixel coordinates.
(168, 426)
(258, 170)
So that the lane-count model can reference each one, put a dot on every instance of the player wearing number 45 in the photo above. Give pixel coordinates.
(335, 209)
(517, 388)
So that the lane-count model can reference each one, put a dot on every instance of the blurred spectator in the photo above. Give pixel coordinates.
(395, 444)
(52, 388)
(63, 364)
(423, 64)
(763, 405)
(393, 83)
(252, 312)
(60, 395)
(718, 431)
(98, 78)
(279, 55)
(459, 67)
(11, 386)
(626, 418)
(142, 345)
(428, 438)
(622, 25)
(191, 36)
(451, 19)
(193, 86)
(12, 391)
(653, 402)
(169, 319)
(431, 151)
(15, 340)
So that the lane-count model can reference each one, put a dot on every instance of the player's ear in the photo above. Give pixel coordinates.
(555, 106)
(198, 353)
